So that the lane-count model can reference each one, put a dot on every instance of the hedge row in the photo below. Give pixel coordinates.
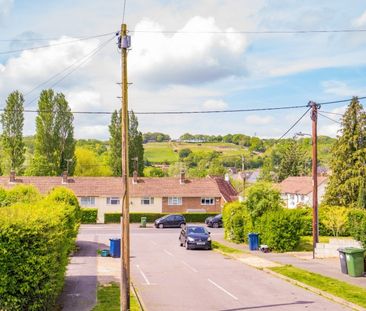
(89, 215)
(35, 241)
(151, 217)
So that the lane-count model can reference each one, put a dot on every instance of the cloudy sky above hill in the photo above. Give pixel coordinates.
(174, 68)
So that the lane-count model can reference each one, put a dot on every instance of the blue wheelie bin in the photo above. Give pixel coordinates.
(115, 248)
(253, 241)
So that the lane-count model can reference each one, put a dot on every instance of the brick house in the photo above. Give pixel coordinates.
(299, 189)
(150, 195)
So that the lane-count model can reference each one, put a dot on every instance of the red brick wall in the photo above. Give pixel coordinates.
(190, 204)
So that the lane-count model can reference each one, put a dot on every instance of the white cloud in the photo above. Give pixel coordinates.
(215, 104)
(342, 89)
(5, 6)
(329, 129)
(255, 119)
(360, 21)
(84, 100)
(184, 58)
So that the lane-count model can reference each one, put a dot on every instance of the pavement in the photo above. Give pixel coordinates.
(168, 277)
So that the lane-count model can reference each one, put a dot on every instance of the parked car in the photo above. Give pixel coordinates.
(170, 221)
(195, 237)
(215, 222)
(208, 219)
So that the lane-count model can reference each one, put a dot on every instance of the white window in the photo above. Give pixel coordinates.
(147, 200)
(113, 200)
(174, 201)
(207, 201)
(87, 201)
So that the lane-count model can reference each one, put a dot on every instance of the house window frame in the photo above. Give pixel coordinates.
(88, 201)
(175, 200)
(113, 200)
(147, 201)
(208, 201)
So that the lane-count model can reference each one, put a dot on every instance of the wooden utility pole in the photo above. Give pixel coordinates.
(314, 118)
(124, 43)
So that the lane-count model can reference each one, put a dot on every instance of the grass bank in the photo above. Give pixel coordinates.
(108, 297)
(225, 249)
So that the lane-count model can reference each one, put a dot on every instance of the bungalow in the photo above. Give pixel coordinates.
(299, 190)
(150, 195)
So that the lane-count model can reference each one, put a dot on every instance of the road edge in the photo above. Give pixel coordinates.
(138, 297)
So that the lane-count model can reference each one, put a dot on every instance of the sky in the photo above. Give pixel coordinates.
(187, 55)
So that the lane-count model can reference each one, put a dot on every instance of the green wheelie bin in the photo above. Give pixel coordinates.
(355, 261)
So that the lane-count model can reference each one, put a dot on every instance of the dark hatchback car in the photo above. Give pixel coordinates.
(215, 222)
(170, 221)
(195, 237)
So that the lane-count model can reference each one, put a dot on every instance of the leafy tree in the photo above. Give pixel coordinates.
(12, 121)
(334, 218)
(361, 202)
(348, 163)
(89, 164)
(262, 197)
(154, 172)
(135, 146)
(55, 144)
(185, 152)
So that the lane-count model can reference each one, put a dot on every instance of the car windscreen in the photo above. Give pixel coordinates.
(197, 230)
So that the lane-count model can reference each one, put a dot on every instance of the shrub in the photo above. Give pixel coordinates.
(89, 215)
(334, 219)
(280, 230)
(35, 240)
(357, 225)
(237, 222)
(3, 196)
(22, 194)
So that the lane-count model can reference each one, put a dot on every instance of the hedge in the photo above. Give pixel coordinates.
(151, 217)
(233, 219)
(35, 241)
(89, 215)
(357, 225)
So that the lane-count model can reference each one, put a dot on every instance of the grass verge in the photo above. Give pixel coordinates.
(306, 243)
(351, 293)
(108, 298)
(225, 249)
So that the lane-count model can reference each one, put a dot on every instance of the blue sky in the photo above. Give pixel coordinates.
(178, 71)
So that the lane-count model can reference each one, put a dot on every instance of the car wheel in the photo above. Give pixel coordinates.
(215, 225)
(187, 246)
(182, 225)
(161, 226)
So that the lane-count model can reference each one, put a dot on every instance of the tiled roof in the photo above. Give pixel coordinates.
(112, 186)
(299, 184)
(227, 190)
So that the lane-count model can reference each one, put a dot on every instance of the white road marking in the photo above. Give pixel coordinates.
(189, 266)
(143, 275)
(169, 253)
(223, 289)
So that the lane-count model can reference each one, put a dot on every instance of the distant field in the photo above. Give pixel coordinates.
(168, 151)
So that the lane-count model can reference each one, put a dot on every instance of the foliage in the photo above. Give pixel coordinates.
(334, 218)
(135, 147)
(35, 241)
(154, 172)
(12, 121)
(115, 143)
(357, 225)
(262, 197)
(185, 152)
(22, 194)
(348, 158)
(3, 197)
(155, 137)
(344, 290)
(55, 144)
(88, 163)
(237, 222)
(361, 200)
(89, 215)
(280, 230)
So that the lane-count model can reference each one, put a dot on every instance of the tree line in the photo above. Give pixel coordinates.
(54, 146)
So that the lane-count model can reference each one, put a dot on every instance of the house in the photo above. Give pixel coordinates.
(149, 195)
(299, 189)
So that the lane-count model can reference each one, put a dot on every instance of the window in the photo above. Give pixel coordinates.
(113, 200)
(174, 201)
(87, 201)
(147, 201)
(207, 201)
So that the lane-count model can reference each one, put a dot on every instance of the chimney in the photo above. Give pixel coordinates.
(12, 176)
(134, 178)
(182, 177)
(64, 177)
(227, 178)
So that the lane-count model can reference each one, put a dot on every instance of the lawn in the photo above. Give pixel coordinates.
(160, 152)
(225, 249)
(351, 293)
(108, 297)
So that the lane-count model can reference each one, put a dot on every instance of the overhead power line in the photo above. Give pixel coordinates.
(324, 116)
(335, 113)
(56, 44)
(293, 125)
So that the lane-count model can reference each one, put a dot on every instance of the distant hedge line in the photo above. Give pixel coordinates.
(151, 217)
(89, 215)
(36, 237)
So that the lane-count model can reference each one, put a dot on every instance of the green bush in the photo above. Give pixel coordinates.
(35, 240)
(89, 215)
(22, 194)
(280, 230)
(3, 195)
(237, 222)
(151, 217)
(357, 225)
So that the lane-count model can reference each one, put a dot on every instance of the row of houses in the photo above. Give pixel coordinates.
(162, 195)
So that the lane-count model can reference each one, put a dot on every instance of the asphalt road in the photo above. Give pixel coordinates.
(168, 277)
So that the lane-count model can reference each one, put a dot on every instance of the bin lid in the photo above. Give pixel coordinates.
(353, 250)
(115, 239)
(252, 233)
